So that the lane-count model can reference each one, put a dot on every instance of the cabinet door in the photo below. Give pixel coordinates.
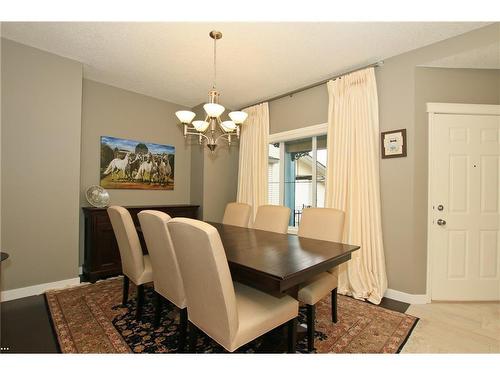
(106, 256)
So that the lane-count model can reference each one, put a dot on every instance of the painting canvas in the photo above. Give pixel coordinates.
(127, 164)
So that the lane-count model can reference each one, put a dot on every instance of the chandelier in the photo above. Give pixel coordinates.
(213, 129)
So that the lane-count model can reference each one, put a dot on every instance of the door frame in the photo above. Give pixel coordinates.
(434, 109)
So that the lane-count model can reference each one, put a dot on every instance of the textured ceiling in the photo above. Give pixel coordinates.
(174, 61)
(486, 57)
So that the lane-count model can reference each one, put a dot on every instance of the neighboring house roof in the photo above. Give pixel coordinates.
(307, 160)
(321, 171)
(273, 160)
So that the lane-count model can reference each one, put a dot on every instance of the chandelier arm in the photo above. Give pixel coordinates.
(199, 135)
(224, 136)
(191, 130)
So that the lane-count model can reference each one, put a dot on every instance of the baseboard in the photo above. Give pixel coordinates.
(8, 295)
(415, 299)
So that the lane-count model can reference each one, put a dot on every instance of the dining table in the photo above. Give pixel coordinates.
(277, 263)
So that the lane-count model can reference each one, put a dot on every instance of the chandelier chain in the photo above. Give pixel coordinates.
(215, 63)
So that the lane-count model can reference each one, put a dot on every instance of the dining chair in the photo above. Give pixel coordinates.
(166, 274)
(231, 313)
(272, 218)
(325, 224)
(135, 265)
(237, 214)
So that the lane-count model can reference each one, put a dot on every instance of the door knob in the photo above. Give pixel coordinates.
(441, 222)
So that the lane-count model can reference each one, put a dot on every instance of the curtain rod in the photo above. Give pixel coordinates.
(290, 93)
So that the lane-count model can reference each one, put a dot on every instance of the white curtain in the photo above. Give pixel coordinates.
(353, 184)
(252, 171)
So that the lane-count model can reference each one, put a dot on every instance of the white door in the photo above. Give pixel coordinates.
(464, 202)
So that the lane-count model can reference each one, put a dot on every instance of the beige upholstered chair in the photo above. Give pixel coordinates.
(135, 265)
(232, 314)
(272, 218)
(237, 214)
(325, 224)
(166, 274)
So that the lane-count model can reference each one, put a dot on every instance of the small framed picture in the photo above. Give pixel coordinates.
(393, 143)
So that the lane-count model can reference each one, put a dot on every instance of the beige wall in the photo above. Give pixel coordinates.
(197, 166)
(41, 114)
(108, 110)
(302, 109)
(196, 196)
(220, 180)
(97, 109)
(403, 180)
(111, 111)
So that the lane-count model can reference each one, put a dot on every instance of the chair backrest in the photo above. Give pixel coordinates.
(272, 218)
(211, 299)
(325, 224)
(128, 242)
(166, 273)
(237, 214)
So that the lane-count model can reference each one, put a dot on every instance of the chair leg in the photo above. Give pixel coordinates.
(334, 305)
(183, 329)
(140, 301)
(292, 335)
(192, 337)
(126, 282)
(311, 317)
(158, 307)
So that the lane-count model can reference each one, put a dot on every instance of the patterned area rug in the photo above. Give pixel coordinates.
(90, 319)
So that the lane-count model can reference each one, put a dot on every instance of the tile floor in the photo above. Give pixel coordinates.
(454, 327)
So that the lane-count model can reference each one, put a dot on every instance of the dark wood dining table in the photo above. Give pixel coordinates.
(278, 263)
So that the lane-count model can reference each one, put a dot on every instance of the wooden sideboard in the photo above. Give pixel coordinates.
(101, 255)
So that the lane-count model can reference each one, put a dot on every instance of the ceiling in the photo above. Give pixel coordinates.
(174, 61)
(485, 57)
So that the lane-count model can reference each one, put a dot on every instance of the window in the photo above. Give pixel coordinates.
(273, 174)
(321, 156)
(297, 174)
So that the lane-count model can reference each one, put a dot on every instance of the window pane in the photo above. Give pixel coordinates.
(321, 157)
(298, 177)
(273, 174)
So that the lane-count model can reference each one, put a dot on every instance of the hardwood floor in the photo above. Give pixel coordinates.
(26, 326)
